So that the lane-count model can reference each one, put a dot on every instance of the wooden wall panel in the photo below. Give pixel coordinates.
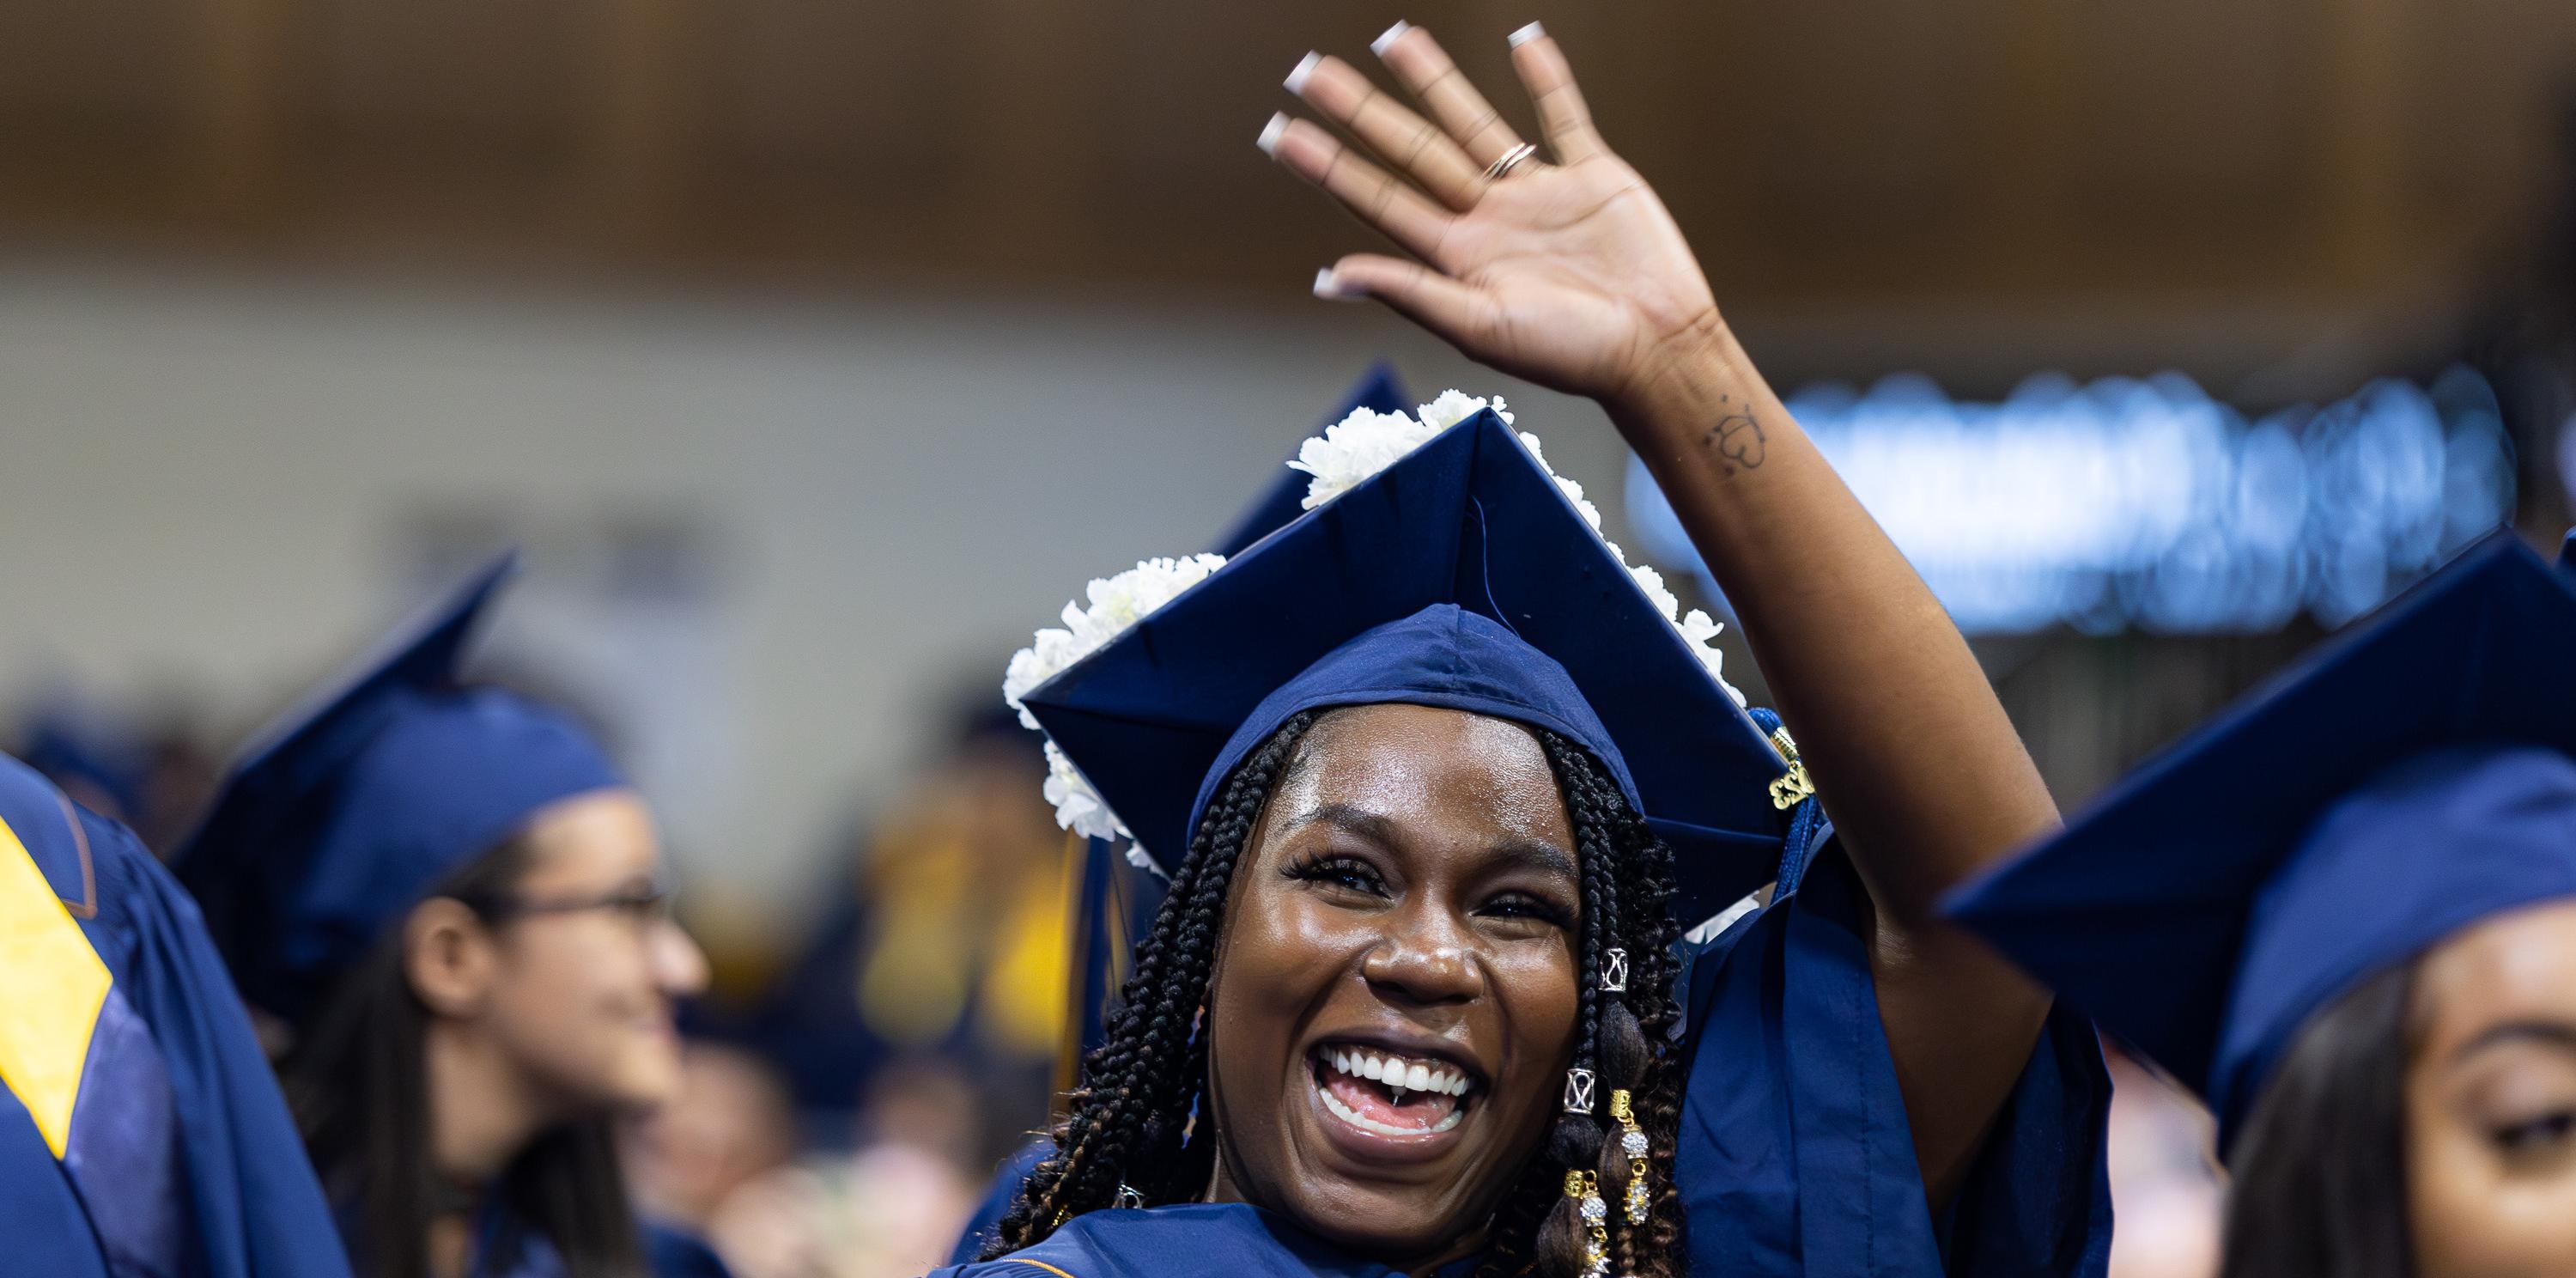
(1830, 152)
(2488, 87)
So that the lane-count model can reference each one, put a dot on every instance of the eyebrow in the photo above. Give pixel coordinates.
(1532, 854)
(2557, 1034)
(1516, 852)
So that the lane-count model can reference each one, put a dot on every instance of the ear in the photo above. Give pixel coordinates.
(448, 957)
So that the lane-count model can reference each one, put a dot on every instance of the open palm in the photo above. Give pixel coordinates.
(1570, 274)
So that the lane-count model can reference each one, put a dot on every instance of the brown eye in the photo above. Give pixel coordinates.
(2538, 1135)
(1345, 872)
(1521, 905)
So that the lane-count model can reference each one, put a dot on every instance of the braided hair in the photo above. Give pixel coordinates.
(1124, 1135)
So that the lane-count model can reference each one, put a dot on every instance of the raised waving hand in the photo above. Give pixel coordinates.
(1565, 269)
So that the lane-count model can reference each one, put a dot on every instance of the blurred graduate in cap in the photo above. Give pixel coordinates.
(141, 1132)
(2345, 914)
(1438, 780)
(457, 904)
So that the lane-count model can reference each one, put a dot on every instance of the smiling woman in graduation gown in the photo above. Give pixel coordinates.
(141, 1133)
(456, 903)
(1841, 1083)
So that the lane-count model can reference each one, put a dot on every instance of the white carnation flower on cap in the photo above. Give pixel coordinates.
(1346, 455)
(1455, 406)
(1355, 448)
(1367, 441)
(1116, 603)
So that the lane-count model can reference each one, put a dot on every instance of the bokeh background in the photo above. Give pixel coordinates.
(817, 352)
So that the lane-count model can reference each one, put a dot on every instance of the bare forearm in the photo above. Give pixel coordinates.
(1911, 753)
(1922, 772)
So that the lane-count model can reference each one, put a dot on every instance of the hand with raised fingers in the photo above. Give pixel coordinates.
(1564, 269)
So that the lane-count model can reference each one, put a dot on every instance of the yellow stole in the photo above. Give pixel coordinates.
(52, 985)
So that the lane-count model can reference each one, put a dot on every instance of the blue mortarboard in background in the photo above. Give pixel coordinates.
(2406, 779)
(1459, 576)
(344, 813)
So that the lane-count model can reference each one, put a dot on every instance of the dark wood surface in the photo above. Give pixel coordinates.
(1824, 152)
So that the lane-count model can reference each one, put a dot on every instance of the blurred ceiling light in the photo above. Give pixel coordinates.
(2146, 504)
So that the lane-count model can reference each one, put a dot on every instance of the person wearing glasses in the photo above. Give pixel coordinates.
(455, 905)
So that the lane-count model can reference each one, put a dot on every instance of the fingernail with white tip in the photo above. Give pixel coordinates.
(1269, 139)
(1305, 67)
(1393, 33)
(1527, 34)
(1328, 286)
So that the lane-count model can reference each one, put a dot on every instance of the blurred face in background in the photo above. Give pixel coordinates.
(569, 982)
(730, 1121)
(2490, 1099)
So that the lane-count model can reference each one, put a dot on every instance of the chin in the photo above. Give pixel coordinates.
(646, 1077)
(1395, 1222)
(649, 1086)
(1387, 1230)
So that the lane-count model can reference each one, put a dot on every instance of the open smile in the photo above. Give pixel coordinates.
(1380, 1103)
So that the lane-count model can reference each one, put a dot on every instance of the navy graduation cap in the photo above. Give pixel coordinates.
(352, 806)
(1459, 576)
(2411, 776)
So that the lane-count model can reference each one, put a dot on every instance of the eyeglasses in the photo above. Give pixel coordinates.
(642, 907)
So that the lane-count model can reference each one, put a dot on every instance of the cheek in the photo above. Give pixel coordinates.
(1540, 1003)
(580, 1003)
(2471, 1217)
(1288, 945)
(1539, 983)
(1279, 956)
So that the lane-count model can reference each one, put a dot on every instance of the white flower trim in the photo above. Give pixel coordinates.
(1366, 442)
(1348, 453)
(1116, 603)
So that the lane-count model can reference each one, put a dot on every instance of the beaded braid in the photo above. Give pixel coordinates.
(1629, 1039)
(1125, 1123)
(1126, 1101)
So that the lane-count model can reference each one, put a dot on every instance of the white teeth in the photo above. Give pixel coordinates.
(1368, 1124)
(1398, 1074)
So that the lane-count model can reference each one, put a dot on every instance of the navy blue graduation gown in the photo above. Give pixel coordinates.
(1221, 1240)
(179, 1158)
(504, 1249)
(1795, 1154)
(986, 1223)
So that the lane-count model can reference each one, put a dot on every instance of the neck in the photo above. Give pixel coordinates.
(1222, 1188)
(482, 1111)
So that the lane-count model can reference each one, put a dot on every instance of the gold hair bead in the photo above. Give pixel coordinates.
(1632, 1142)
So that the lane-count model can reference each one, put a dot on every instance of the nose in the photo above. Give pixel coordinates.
(1424, 959)
(679, 966)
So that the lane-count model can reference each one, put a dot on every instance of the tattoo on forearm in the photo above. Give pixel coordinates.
(1737, 437)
